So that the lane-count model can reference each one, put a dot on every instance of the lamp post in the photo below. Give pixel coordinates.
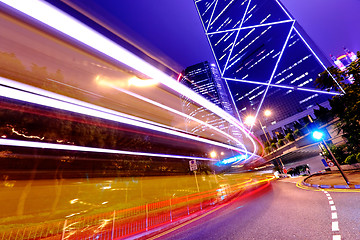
(319, 136)
(264, 131)
(250, 120)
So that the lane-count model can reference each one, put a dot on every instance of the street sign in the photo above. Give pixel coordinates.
(192, 164)
(324, 162)
(330, 163)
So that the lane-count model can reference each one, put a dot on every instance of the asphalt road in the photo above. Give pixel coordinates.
(282, 211)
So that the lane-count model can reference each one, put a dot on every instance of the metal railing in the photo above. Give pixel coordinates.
(126, 222)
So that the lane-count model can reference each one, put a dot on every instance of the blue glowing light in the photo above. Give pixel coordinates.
(234, 159)
(317, 135)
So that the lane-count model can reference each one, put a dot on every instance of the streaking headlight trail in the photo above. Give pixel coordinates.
(19, 143)
(27, 93)
(68, 25)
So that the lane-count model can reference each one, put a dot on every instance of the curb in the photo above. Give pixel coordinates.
(328, 186)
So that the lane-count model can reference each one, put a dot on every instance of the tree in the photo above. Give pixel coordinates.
(297, 125)
(351, 159)
(354, 69)
(297, 133)
(273, 146)
(323, 115)
(346, 106)
(325, 81)
(290, 137)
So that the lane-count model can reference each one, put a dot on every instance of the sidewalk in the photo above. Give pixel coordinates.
(334, 179)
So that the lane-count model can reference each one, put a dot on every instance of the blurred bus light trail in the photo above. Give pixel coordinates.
(19, 143)
(68, 25)
(27, 93)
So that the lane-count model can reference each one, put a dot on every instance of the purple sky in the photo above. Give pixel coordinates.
(172, 31)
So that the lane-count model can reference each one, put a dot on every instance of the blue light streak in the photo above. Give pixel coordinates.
(232, 160)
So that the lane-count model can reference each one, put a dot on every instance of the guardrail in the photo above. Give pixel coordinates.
(126, 222)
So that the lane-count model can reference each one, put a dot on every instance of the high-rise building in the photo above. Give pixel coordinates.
(344, 60)
(204, 78)
(264, 58)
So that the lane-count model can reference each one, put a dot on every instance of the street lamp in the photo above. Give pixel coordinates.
(250, 121)
(319, 136)
(267, 113)
(213, 154)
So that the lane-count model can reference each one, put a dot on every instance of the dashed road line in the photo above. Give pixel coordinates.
(334, 224)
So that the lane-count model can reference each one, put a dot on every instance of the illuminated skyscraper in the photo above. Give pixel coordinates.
(344, 60)
(204, 79)
(263, 58)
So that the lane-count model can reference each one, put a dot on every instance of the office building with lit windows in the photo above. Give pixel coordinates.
(204, 79)
(265, 59)
(344, 60)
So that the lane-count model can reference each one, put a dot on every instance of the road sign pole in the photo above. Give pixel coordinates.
(193, 167)
(113, 226)
(197, 184)
(335, 161)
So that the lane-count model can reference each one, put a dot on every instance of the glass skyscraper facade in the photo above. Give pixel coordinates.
(204, 78)
(263, 57)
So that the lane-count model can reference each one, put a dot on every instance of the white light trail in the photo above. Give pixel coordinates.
(53, 17)
(30, 144)
(178, 113)
(35, 95)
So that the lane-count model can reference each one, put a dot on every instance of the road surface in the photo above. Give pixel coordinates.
(282, 211)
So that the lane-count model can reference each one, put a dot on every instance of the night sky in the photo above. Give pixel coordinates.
(171, 29)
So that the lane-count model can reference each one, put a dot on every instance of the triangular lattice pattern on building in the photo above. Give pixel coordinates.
(262, 56)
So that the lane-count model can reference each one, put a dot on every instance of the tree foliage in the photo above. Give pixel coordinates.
(325, 81)
(345, 106)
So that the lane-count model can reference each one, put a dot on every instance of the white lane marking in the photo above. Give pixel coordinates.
(335, 224)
